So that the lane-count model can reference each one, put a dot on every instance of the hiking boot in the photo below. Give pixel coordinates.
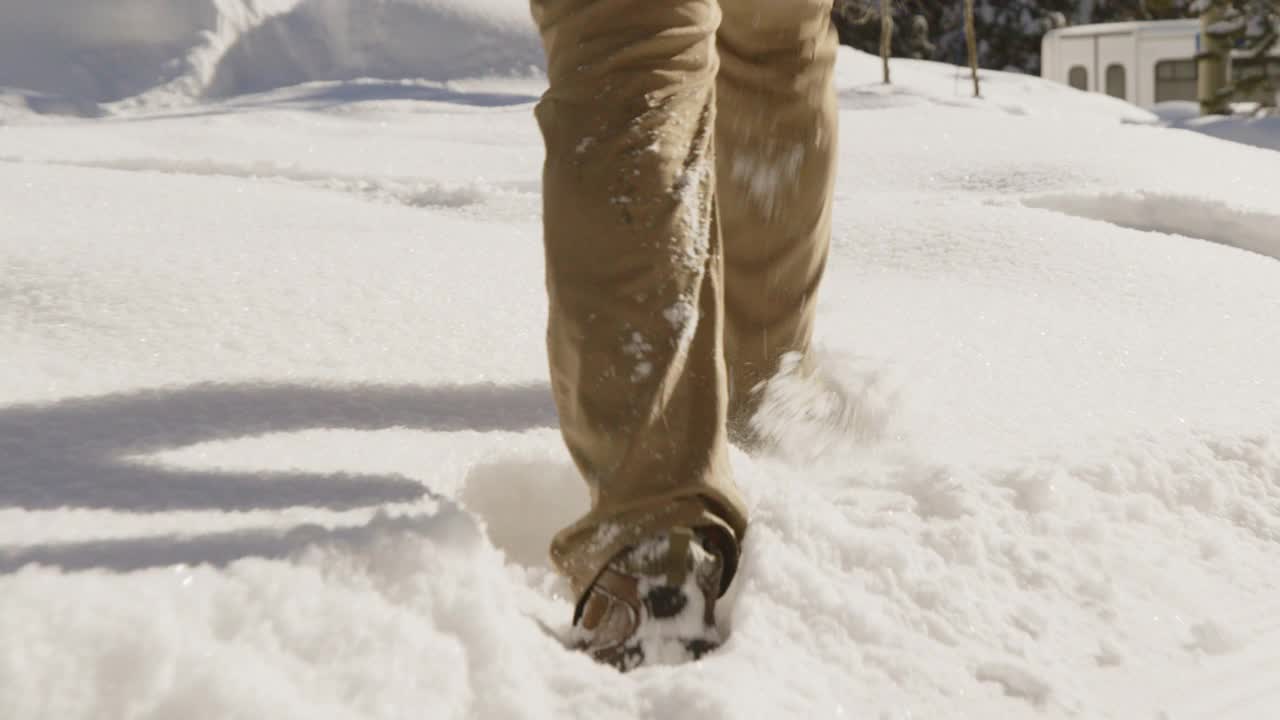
(654, 603)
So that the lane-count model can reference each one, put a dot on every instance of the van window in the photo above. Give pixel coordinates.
(1116, 86)
(1176, 80)
(1078, 77)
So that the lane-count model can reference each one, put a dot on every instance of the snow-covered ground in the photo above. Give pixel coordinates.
(276, 438)
(88, 57)
(1258, 131)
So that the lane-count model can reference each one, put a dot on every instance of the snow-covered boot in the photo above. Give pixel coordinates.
(654, 603)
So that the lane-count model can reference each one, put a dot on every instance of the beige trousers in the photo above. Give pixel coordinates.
(689, 168)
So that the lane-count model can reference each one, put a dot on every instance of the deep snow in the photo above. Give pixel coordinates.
(1258, 131)
(276, 439)
(75, 55)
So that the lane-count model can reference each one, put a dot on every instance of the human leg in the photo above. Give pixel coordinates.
(634, 274)
(775, 163)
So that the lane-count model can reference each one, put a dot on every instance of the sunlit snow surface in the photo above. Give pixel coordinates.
(276, 438)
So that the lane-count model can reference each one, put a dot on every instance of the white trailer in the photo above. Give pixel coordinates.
(1142, 62)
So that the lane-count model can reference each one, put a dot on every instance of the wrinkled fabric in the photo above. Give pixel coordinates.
(686, 194)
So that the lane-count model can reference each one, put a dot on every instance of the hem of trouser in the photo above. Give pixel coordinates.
(582, 550)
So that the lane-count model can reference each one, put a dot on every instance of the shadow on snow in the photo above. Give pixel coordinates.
(74, 453)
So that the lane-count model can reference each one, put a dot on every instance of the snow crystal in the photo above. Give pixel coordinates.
(683, 317)
(605, 535)
(642, 371)
(1016, 681)
(766, 176)
(638, 349)
(1214, 638)
(694, 220)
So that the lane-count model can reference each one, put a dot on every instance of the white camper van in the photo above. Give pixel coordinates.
(1142, 62)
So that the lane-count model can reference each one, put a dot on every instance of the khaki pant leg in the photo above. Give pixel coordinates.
(776, 163)
(634, 268)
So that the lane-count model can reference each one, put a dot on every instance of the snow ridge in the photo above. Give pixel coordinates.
(72, 54)
(1193, 217)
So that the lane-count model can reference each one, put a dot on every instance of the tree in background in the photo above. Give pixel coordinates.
(1242, 33)
(857, 22)
(971, 44)
(886, 36)
(853, 21)
(922, 48)
(1219, 23)
(1009, 31)
(1100, 11)
(1258, 37)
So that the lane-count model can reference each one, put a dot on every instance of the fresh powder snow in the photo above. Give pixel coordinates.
(1258, 130)
(276, 437)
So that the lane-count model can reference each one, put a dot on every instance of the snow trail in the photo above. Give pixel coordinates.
(276, 440)
(1194, 217)
(404, 191)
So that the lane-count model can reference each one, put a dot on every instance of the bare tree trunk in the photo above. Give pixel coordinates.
(971, 39)
(1214, 64)
(886, 35)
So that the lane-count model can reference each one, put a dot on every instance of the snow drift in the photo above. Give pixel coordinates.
(276, 438)
(438, 40)
(1261, 131)
(96, 51)
(68, 55)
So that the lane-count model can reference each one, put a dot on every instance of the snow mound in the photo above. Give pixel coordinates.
(368, 596)
(927, 82)
(25, 106)
(82, 52)
(437, 40)
(1210, 220)
(1262, 132)
(93, 51)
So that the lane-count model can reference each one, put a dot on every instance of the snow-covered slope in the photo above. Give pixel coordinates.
(920, 82)
(67, 55)
(1263, 132)
(276, 439)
